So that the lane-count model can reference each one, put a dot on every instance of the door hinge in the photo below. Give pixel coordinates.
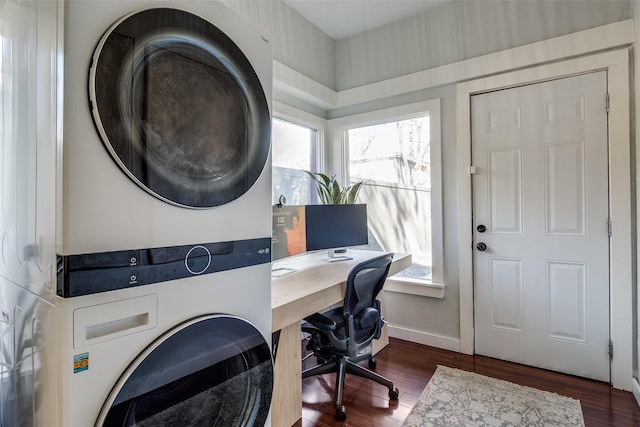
(610, 350)
(607, 102)
(609, 226)
(473, 170)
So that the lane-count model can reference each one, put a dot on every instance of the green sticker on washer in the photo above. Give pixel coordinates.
(80, 362)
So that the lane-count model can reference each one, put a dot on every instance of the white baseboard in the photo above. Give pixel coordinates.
(425, 338)
(636, 390)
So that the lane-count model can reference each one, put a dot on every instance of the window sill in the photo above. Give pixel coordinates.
(414, 287)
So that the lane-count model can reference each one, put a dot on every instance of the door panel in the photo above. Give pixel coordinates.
(505, 190)
(567, 305)
(507, 306)
(541, 189)
(565, 195)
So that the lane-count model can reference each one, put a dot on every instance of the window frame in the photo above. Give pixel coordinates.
(339, 157)
(298, 117)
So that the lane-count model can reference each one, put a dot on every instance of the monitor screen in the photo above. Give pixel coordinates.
(288, 231)
(336, 226)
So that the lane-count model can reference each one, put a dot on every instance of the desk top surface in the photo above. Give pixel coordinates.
(316, 284)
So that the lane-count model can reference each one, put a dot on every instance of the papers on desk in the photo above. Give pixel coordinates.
(282, 271)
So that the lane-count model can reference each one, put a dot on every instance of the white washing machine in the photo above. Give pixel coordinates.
(163, 315)
(175, 353)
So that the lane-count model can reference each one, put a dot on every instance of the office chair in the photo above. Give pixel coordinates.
(339, 338)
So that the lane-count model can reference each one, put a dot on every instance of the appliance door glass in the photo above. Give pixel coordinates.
(212, 371)
(179, 108)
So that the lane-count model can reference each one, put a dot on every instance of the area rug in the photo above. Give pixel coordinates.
(459, 398)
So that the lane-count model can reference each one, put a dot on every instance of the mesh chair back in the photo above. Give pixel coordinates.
(364, 283)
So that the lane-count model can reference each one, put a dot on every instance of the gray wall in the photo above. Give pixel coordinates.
(295, 41)
(449, 33)
(462, 30)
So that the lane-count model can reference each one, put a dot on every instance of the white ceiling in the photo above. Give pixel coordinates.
(344, 18)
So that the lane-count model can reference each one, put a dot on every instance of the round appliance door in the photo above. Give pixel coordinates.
(211, 371)
(179, 107)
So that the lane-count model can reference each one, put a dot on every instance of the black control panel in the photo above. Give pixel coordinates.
(86, 274)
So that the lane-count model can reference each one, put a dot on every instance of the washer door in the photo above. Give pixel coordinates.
(179, 108)
(211, 371)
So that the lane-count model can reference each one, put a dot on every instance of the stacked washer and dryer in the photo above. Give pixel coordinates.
(164, 300)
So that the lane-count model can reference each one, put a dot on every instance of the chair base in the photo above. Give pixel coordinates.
(343, 365)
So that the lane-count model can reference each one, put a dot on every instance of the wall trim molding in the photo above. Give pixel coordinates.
(295, 84)
(424, 338)
(636, 390)
(586, 42)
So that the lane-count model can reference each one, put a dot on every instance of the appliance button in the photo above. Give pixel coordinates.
(198, 259)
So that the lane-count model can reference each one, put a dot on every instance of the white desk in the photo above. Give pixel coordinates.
(313, 287)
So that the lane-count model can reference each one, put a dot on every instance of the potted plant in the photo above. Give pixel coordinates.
(331, 192)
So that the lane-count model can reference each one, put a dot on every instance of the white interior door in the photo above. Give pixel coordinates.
(541, 210)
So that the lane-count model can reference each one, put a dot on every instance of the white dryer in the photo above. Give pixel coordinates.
(166, 126)
(164, 299)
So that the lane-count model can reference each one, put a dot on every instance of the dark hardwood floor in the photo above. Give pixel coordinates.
(410, 367)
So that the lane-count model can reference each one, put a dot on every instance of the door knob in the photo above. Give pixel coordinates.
(481, 228)
(481, 246)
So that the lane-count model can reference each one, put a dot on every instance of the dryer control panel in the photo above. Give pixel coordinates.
(86, 274)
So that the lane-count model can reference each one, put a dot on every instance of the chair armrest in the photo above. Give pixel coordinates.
(322, 322)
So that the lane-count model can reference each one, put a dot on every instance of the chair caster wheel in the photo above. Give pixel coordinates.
(341, 414)
(373, 363)
(393, 394)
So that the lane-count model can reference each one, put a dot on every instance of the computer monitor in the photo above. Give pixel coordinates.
(336, 227)
(288, 231)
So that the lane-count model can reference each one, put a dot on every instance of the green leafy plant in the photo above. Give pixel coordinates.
(331, 192)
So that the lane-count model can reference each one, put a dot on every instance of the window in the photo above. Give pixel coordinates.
(294, 150)
(396, 152)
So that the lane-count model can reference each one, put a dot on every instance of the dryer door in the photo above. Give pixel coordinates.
(179, 107)
(212, 371)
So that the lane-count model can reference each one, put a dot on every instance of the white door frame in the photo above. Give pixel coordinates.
(616, 63)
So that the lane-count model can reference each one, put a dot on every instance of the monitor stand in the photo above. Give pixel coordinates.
(332, 257)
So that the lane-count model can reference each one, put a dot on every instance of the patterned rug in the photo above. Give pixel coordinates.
(459, 398)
